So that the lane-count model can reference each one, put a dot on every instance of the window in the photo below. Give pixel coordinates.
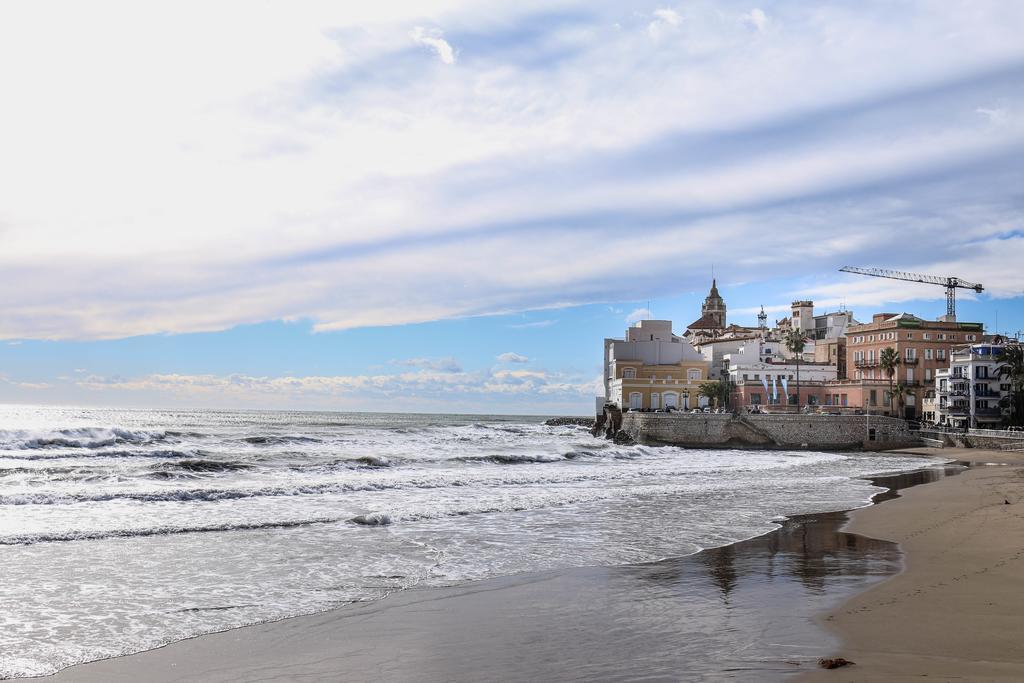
(629, 373)
(927, 335)
(927, 374)
(744, 377)
(942, 336)
(941, 354)
(910, 354)
(971, 337)
(692, 374)
(755, 399)
(874, 397)
(757, 376)
(910, 335)
(928, 353)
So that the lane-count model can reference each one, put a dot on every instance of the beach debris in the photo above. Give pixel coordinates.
(1005, 502)
(833, 662)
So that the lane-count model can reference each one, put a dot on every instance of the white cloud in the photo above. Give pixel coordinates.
(419, 388)
(320, 170)
(757, 18)
(665, 20)
(435, 42)
(512, 357)
(441, 364)
(996, 115)
(532, 325)
(638, 314)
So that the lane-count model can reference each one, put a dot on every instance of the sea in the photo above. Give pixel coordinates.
(123, 530)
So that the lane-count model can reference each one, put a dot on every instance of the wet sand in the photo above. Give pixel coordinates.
(744, 611)
(957, 611)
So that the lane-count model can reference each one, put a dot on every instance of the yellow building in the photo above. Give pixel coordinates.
(653, 369)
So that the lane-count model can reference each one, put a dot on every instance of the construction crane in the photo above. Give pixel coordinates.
(950, 283)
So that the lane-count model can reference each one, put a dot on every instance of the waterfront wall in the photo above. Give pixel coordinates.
(829, 432)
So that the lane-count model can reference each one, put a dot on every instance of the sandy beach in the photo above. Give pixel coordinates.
(957, 610)
(954, 612)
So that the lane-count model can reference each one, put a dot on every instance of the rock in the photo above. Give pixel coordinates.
(623, 439)
(833, 662)
(587, 422)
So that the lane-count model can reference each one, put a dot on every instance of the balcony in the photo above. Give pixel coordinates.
(909, 361)
(865, 363)
(988, 412)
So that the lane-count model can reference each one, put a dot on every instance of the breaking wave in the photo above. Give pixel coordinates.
(31, 539)
(81, 437)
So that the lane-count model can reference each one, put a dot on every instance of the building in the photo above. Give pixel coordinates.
(923, 346)
(652, 368)
(833, 352)
(761, 383)
(969, 392)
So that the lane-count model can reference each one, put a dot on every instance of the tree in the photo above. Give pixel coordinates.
(896, 395)
(888, 360)
(795, 342)
(1011, 366)
(717, 391)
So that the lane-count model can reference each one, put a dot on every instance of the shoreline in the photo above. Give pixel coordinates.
(956, 610)
(482, 629)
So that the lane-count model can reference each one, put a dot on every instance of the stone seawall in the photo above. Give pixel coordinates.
(828, 432)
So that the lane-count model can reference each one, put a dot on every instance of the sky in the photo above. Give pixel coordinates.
(445, 206)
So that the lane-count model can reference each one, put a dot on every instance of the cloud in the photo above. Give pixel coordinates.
(370, 390)
(322, 170)
(511, 357)
(757, 18)
(435, 42)
(638, 314)
(665, 20)
(997, 115)
(440, 364)
(532, 325)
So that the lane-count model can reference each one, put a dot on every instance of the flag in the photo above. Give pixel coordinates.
(785, 388)
(775, 389)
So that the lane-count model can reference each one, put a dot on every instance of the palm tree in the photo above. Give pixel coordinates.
(888, 359)
(1011, 366)
(896, 394)
(795, 342)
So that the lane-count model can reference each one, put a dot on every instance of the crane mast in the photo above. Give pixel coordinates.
(950, 283)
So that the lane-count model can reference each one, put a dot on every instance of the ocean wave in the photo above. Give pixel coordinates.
(79, 437)
(275, 440)
(373, 461)
(76, 535)
(511, 458)
(163, 454)
(202, 465)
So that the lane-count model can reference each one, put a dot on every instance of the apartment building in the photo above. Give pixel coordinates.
(652, 368)
(968, 393)
(923, 346)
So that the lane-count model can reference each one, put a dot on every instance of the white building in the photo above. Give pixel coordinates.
(769, 383)
(968, 393)
(652, 368)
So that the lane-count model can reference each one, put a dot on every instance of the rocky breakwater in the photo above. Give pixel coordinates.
(587, 422)
(817, 432)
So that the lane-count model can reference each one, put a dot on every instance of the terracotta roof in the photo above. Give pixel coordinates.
(705, 322)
